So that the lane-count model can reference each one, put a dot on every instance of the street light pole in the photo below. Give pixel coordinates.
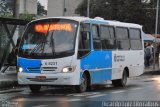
(157, 10)
(156, 27)
(88, 5)
(16, 8)
(64, 7)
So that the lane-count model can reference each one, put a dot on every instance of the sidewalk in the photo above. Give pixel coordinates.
(9, 78)
(152, 70)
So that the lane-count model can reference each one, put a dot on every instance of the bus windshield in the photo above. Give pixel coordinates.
(49, 38)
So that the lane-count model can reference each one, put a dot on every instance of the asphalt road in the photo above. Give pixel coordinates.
(143, 88)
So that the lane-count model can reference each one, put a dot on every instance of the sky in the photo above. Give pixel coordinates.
(44, 3)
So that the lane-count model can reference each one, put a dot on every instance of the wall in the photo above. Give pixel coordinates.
(29, 6)
(56, 7)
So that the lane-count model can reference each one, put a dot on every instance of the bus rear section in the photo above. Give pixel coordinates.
(110, 50)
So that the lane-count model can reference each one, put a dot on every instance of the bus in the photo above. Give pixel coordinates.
(79, 52)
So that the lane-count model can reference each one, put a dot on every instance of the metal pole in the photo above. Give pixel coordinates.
(88, 5)
(16, 9)
(157, 10)
(156, 27)
(64, 7)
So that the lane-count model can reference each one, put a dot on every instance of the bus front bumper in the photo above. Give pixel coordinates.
(50, 79)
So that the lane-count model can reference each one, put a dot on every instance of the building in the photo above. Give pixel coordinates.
(9, 7)
(20, 7)
(62, 7)
(8, 39)
(29, 6)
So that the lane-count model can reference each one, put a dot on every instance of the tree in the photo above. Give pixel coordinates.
(132, 11)
(41, 10)
(6, 8)
(27, 16)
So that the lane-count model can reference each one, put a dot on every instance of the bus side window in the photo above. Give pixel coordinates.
(108, 37)
(122, 37)
(84, 43)
(96, 37)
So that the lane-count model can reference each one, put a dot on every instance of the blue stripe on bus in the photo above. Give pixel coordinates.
(98, 64)
(27, 64)
(96, 22)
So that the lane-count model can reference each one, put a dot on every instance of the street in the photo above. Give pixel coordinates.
(80, 42)
(142, 88)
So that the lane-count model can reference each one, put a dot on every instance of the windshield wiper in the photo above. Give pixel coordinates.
(41, 45)
(52, 43)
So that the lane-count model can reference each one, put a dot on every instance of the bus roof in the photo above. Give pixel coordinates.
(97, 21)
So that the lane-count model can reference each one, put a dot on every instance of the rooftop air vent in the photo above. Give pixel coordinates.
(99, 18)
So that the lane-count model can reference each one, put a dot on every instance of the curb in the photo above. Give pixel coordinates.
(156, 72)
(8, 84)
(8, 79)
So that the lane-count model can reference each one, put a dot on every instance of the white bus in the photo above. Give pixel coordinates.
(79, 52)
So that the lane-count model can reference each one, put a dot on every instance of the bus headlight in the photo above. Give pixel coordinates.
(20, 69)
(68, 69)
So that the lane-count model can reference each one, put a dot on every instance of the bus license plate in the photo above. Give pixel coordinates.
(41, 78)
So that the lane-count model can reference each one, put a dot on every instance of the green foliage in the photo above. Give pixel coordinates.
(27, 16)
(6, 14)
(132, 11)
(41, 10)
(6, 8)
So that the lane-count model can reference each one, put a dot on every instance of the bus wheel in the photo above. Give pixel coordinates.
(35, 88)
(84, 84)
(121, 82)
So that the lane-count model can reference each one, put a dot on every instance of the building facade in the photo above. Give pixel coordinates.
(29, 6)
(62, 7)
(55, 8)
(8, 40)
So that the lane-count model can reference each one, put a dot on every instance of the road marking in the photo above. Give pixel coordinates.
(50, 94)
(11, 91)
(94, 96)
(117, 92)
(150, 86)
(70, 94)
(79, 95)
(136, 89)
(84, 94)
(70, 100)
(50, 99)
(41, 106)
(73, 100)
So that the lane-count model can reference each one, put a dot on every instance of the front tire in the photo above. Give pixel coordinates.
(35, 88)
(83, 85)
(121, 82)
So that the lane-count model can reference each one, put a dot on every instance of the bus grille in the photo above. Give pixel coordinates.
(33, 69)
(42, 69)
(49, 68)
